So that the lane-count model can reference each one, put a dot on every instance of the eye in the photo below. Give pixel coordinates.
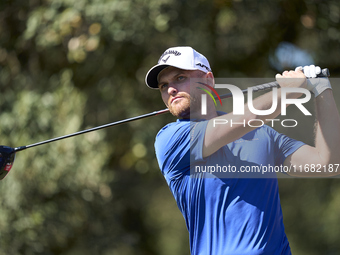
(163, 86)
(181, 78)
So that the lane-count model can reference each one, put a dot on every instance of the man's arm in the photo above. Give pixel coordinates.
(326, 152)
(217, 136)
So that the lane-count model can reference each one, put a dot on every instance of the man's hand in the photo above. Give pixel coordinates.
(314, 84)
(297, 79)
(294, 80)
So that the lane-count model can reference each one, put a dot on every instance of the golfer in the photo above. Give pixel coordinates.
(226, 213)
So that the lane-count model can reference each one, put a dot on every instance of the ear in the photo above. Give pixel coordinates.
(210, 79)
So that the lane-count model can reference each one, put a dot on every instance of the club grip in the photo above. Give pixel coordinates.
(324, 73)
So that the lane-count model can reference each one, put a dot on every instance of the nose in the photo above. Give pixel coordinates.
(172, 90)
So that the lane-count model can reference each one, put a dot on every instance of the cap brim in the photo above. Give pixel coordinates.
(151, 77)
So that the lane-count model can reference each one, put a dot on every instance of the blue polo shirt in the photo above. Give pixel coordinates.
(226, 212)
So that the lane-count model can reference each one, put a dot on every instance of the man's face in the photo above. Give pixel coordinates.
(178, 94)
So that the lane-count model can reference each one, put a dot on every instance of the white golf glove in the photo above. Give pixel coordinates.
(315, 84)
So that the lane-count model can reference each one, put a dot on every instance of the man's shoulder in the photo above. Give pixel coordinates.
(265, 130)
(173, 126)
(171, 137)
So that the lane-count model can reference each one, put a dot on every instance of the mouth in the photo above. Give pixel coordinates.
(175, 99)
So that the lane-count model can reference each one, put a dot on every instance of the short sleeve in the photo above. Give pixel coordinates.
(197, 134)
(284, 146)
(177, 144)
(172, 147)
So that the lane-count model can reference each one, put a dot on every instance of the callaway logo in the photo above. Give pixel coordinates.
(164, 60)
(169, 52)
(204, 66)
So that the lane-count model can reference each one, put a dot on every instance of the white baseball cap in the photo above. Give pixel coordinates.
(183, 57)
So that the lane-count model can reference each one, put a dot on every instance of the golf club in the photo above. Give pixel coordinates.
(7, 154)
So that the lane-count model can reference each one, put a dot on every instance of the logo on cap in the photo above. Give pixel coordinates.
(204, 66)
(164, 60)
(169, 52)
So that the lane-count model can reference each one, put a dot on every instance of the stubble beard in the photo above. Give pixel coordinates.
(182, 108)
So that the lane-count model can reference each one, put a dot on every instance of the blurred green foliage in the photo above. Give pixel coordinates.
(67, 65)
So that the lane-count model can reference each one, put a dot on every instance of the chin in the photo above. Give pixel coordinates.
(180, 113)
(180, 110)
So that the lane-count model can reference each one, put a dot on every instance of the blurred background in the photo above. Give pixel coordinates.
(67, 65)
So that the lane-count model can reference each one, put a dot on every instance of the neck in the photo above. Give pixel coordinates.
(196, 113)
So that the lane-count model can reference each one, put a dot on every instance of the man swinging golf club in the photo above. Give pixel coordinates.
(228, 214)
